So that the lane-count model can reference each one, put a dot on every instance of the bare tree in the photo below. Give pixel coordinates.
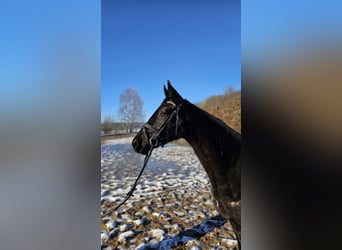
(130, 109)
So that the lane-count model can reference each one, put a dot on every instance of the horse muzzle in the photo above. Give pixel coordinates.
(139, 147)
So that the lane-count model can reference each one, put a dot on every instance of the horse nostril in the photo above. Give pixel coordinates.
(135, 143)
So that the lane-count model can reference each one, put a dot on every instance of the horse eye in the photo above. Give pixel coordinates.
(166, 111)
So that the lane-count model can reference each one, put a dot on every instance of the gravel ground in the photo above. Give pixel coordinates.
(171, 207)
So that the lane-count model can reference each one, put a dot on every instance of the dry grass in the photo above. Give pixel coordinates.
(227, 107)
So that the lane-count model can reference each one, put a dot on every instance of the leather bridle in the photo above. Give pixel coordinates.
(154, 142)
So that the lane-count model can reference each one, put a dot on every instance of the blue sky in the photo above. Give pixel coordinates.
(273, 28)
(195, 44)
(44, 48)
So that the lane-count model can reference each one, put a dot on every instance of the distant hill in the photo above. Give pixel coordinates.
(227, 107)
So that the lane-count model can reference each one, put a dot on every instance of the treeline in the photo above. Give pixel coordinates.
(227, 107)
(109, 126)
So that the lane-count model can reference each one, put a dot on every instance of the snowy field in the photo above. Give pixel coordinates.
(171, 207)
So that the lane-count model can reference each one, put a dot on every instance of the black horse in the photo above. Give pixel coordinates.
(216, 145)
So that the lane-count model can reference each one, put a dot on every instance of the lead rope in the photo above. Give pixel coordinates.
(130, 193)
(153, 144)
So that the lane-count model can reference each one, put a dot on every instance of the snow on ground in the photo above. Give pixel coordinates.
(127, 140)
(171, 206)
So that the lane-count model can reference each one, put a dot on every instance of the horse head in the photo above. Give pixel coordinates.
(164, 125)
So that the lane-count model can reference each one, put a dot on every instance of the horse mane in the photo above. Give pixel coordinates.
(208, 119)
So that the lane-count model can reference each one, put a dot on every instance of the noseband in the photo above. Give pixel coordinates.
(154, 140)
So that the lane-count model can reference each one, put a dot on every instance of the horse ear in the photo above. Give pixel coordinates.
(172, 93)
(166, 92)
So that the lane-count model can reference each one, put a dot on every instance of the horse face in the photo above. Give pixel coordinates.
(163, 126)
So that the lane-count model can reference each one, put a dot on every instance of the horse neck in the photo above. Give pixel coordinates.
(218, 149)
(203, 129)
